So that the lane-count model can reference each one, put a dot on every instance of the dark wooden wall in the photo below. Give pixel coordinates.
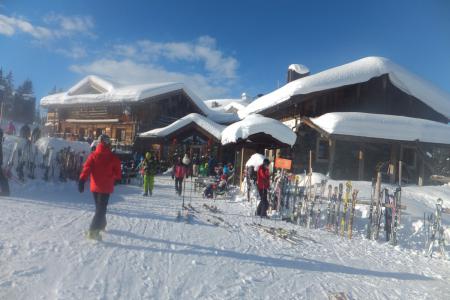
(378, 95)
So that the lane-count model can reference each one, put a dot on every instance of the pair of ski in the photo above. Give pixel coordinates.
(344, 221)
(290, 236)
(391, 209)
(313, 198)
(435, 232)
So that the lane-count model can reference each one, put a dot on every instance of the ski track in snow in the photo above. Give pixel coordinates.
(147, 254)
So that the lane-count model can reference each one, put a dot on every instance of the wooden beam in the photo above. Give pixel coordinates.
(421, 172)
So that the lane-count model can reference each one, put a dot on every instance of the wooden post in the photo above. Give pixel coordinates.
(310, 163)
(332, 145)
(421, 172)
(360, 164)
(393, 164)
(242, 167)
(310, 176)
(378, 203)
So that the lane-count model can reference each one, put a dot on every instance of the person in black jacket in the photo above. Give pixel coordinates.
(3, 180)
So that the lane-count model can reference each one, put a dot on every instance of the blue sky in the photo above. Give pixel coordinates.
(219, 48)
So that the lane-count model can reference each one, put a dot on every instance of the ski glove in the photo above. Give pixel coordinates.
(81, 186)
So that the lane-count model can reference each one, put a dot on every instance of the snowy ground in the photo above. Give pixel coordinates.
(147, 254)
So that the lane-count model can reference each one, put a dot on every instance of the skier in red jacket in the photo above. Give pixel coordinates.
(263, 183)
(103, 166)
(179, 171)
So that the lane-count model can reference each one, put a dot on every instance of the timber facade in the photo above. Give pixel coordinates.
(121, 120)
(352, 157)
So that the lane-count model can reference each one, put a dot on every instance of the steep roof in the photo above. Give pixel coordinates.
(381, 126)
(94, 90)
(205, 123)
(356, 72)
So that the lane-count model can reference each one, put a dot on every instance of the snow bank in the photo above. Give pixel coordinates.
(203, 122)
(255, 161)
(355, 72)
(93, 89)
(384, 127)
(316, 178)
(58, 144)
(254, 124)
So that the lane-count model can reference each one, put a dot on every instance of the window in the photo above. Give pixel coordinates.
(322, 150)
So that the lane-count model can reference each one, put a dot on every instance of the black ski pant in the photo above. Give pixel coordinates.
(4, 186)
(263, 204)
(179, 185)
(99, 220)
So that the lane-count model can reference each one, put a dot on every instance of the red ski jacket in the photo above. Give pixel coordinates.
(104, 168)
(263, 179)
(179, 171)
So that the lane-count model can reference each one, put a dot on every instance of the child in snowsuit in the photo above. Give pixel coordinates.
(149, 167)
(103, 166)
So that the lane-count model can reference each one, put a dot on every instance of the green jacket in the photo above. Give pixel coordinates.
(149, 166)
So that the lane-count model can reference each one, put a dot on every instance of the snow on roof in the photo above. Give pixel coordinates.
(383, 127)
(93, 89)
(215, 103)
(205, 123)
(254, 124)
(227, 105)
(300, 69)
(355, 72)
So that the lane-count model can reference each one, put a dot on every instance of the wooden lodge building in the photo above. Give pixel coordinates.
(397, 115)
(374, 86)
(94, 106)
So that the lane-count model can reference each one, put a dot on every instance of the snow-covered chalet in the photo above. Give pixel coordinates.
(96, 105)
(359, 115)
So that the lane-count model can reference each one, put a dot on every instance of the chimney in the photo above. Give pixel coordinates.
(296, 71)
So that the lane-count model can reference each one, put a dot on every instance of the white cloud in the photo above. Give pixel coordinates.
(70, 25)
(127, 71)
(10, 25)
(59, 26)
(203, 50)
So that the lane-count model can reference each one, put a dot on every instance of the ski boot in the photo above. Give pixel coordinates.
(94, 234)
(145, 194)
